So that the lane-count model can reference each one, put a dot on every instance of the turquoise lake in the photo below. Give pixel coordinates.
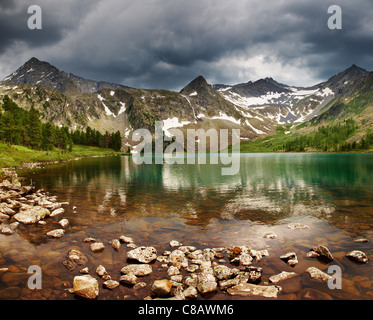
(197, 205)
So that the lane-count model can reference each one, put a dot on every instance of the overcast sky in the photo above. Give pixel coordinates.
(167, 43)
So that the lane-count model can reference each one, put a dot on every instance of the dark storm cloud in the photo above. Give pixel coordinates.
(57, 20)
(166, 43)
(330, 51)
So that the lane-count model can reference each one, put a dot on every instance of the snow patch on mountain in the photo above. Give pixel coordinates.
(107, 110)
(172, 123)
(122, 108)
(253, 128)
(223, 116)
(271, 98)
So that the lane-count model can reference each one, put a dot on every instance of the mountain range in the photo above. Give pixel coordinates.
(256, 108)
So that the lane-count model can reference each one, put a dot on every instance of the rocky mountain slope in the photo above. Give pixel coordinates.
(256, 108)
(35, 72)
(66, 99)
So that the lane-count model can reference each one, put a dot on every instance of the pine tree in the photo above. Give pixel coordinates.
(34, 128)
(116, 141)
(106, 140)
(48, 134)
(7, 127)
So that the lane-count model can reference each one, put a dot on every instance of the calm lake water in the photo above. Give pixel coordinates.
(196, 205)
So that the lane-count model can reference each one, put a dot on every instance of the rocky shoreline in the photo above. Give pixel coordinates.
(205, 268)
(189, 272)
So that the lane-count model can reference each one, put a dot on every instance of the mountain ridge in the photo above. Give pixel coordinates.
(256, 108)
(36, 72)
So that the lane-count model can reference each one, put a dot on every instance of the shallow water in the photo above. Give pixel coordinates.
(196, 205)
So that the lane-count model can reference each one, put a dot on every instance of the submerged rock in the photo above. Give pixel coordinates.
(57, 233)
(323, 251)
(270, 235)
(111, 284)
(101, 271)
(74, 258)
(64, 223)
(178, 259)
(246, 259)
(190, 293)
(223, 272)
(2, 270)
(129, 279)
(86, 287)
(174, 243)
(143, 254)
(57, 212)
(225, 284)
(249, 289)
(126, 239)
(258, 254)
(6, 230)
(172, 271)
(177, 278)
(161, 287)
(84, 270)
(6, 209)
(250, 274)
(192, 268)
(31, 215)
(3, 217)
(318, 274)
(358, 256)
(281, 276)
(234, 253)
(312, 254)
(187, 249)
(97, 246)
(14, 225)
(191, 281)
(115, 243)
(139, 285)
(139, 270)
(296, 226)
(312, 294)
(290, 258)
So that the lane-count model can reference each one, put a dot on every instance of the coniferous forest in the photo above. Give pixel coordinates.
(24, 127)
(330, 138)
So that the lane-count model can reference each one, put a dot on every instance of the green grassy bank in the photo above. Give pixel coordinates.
(15, 156)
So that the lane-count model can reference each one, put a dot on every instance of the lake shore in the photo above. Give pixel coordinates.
(18, 157)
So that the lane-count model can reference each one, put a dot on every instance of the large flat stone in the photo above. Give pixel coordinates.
(31, 215)
(143, 254)
(250, 290)
(138, 270)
